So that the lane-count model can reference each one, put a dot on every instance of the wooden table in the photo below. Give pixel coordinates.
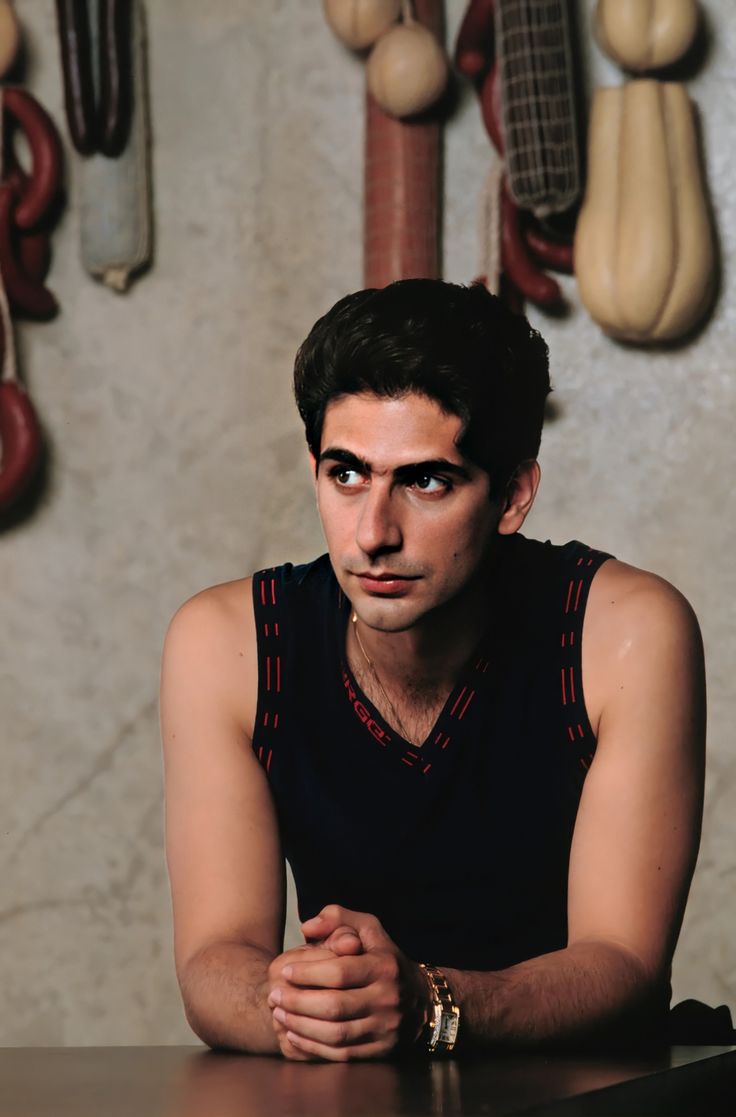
(193, 1082)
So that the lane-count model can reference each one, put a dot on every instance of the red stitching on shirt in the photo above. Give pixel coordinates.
(469, 699)
(458, 700)
(426, 768)
(263, 592)
(570, 733)
(268, 762)
(564, 695)
(577, 596)
(265, 718)
(581, 731)
(278, 674)
(275, 721)
(268, 672)
(569, 595)
(273, 591)
(572, 686)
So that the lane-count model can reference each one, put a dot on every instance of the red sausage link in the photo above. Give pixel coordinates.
(43, 139)
(32, 249)
(34, 253)
(26, 294)
(116, 76)
(490, 107)
(76, 66)
(521, 270)
(21, 445)
(551, 253)
(474, 47)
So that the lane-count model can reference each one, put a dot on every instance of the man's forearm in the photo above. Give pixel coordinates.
(225, 989)
(587, 990)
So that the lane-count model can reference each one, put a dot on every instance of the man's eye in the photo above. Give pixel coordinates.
(428, 483)
(345, 477)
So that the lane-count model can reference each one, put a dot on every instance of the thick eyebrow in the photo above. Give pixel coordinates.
(402, 472)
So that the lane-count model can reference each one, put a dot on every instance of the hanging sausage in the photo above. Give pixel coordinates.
(518, 55)
(406, 73)
(21, 446)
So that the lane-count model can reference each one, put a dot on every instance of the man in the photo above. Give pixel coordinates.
(481, 755)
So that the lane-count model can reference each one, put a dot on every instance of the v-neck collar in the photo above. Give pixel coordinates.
(452, 723)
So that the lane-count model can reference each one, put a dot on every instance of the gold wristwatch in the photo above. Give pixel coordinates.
(442, 1028)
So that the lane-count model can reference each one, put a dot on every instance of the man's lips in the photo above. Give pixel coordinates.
(386, 582)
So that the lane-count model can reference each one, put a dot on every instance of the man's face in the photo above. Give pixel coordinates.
(407, 519)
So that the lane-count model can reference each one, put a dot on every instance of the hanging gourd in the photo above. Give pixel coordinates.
(358, 23)
(9, 36)
(644, 254)
(407, 68)
(645, 34)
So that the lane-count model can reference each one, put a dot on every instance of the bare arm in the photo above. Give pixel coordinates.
(223, 851)
(632, 858)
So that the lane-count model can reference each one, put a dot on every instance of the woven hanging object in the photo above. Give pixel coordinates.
(537, 104)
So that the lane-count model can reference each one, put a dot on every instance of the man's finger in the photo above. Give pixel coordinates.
(334, 973)
(371, 1050)
(321, 1004)
(343, 941)
(331, 918)
(333, 1033)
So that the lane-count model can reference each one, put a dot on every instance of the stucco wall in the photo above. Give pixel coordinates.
(177, 462)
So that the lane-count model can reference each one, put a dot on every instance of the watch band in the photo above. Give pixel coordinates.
(442, 1028)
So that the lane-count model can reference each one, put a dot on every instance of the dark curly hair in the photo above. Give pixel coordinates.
(457, 345)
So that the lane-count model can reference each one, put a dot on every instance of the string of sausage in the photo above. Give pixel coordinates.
(402, 187)
(521, 243)
(21, 446)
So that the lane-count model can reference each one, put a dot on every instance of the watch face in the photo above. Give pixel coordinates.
(448, 1028)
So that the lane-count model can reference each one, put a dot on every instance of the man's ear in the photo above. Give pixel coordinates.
(520, 494)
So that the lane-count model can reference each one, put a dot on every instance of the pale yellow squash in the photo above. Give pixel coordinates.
(645, 34)
(644, 257)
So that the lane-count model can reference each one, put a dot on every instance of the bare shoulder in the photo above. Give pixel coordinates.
(638, 628)
(628, 601)
(211, 641)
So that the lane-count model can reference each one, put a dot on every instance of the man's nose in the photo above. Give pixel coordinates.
(378, 526)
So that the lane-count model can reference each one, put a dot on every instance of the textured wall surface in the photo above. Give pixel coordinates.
(177, 462)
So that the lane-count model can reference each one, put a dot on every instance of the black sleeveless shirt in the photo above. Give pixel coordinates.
(461, 846)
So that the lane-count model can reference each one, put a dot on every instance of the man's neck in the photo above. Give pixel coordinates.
(428, 657)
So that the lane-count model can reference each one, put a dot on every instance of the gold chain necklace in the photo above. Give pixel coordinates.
(377, 677)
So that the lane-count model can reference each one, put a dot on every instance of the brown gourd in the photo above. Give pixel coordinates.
(645, 34)
(643, 251)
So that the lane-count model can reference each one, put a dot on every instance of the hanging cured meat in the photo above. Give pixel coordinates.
(402, 187)
(21, 447)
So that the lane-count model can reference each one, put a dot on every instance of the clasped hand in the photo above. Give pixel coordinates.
(349, 994)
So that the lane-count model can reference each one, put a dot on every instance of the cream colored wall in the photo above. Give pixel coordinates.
(177, 461)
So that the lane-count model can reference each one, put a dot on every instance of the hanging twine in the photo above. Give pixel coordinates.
(489, 227)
